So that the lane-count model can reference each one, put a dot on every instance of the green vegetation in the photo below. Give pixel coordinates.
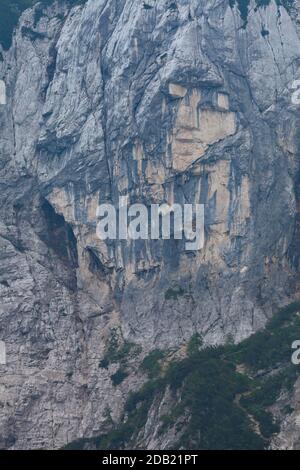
(243, 6)
(208, 387)
(272, 346)
(118, 350)
(264, 32)
(119, 376)
(136, 409)
(224, 391)
(151, 364)
(174, 293)
(10, 12)
(287, 4)
(195, 345)
(147, 6)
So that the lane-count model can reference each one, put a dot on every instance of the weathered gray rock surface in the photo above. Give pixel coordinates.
(163, 101)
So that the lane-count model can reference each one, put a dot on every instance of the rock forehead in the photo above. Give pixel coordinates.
(174, 102)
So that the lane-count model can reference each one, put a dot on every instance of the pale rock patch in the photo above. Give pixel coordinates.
(177, 91)
(223, 101)
(2, 353)
(2, 93)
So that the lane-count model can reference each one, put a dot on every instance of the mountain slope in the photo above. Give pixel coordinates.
(227, 397)
(162, 101)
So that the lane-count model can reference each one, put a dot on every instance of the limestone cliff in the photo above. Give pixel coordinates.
(188, 101)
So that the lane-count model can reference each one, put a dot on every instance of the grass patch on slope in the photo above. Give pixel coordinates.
(225, 391)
